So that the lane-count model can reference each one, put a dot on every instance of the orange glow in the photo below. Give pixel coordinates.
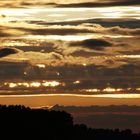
(76, 82)
(92, 90)
(24, 84)
(133, 96)
(138, 89)
(41, 65)
(35, 84)
(12, 85)
(108, 89)
(84, 64)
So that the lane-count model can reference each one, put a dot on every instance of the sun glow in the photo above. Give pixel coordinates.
(12, 85)
(41, 65)
(76, 82)
(51, 84)
(23, 84)
(33, 84)
(92, 90)
(105, 90)
(109, 89)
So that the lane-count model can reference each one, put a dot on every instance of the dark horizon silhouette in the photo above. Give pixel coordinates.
(23, 122)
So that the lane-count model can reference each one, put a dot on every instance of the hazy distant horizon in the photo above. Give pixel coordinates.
(41, 100)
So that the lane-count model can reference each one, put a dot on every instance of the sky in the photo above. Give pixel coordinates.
(77, 46)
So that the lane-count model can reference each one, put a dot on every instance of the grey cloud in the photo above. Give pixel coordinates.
(97, 44)
(7, 51)
(84, 53)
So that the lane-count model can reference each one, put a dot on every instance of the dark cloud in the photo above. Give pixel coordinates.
(2, 34)
(103, 3)
(13, 70)
(55, 31)
(7, 51)
(31, 3)
(97, 44)
(84, 53)
(73, 3)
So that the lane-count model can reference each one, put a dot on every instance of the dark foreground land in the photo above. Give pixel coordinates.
(19, 122)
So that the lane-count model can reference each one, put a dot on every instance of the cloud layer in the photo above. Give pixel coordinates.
(58, 44)
(96, 52)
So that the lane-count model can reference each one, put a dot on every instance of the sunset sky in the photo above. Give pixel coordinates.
(75, 47)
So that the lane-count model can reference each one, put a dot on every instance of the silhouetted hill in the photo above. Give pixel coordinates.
(19, 122)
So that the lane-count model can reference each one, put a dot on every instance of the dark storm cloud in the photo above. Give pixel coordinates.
(97, 44)
(7, 51)
(103, 3)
